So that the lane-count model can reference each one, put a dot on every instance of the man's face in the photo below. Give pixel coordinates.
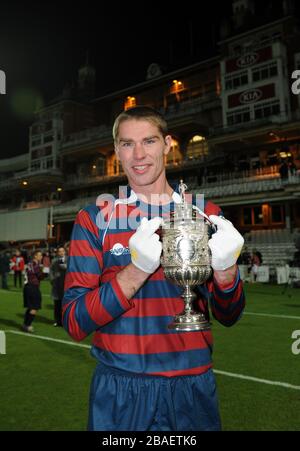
(61, 252)
(38, 257)
(141, 149)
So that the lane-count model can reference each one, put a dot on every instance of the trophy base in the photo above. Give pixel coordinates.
(190, 323)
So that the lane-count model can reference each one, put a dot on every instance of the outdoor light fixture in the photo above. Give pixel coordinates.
(130, 102)
(177, 86)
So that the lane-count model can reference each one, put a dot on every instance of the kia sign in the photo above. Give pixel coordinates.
(250, 59)
(250, 96)
(247, 60)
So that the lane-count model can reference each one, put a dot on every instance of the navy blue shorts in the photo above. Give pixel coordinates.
(32, 297)
(121, 401)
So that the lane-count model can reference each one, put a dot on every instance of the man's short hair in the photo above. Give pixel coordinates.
(141, 113)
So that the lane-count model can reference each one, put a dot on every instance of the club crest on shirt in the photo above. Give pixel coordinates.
(118, 249)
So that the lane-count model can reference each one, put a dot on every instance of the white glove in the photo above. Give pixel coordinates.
(225, 245)
(145, 247)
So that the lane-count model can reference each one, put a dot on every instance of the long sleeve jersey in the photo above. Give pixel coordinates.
(132, 334)
(34, 273)
(17, 263)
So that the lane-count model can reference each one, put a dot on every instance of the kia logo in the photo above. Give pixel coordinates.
(251, 96)
(247, 60)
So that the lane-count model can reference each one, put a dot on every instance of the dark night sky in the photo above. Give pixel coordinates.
(42, 45)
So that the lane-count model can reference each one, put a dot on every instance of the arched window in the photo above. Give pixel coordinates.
(197, 147)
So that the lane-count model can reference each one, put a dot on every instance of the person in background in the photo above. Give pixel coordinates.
(284, 171)
(57, 278)
(24, 254)
(46, 264)
(31, 291)
(17, 266)
(4, 269)
(292, 166)
(256, 261)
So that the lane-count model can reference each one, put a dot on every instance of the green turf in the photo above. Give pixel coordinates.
(45, 384)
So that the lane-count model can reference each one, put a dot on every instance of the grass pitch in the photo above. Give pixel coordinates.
(45, 383)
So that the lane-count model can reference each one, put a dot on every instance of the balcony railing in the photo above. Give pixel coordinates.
(84, 136)
(274, 119)
(38, 171)
(76, 180)
(190, 106)
(7, 184)
(223, 185)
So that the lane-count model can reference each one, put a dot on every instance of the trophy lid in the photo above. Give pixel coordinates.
(184, 212)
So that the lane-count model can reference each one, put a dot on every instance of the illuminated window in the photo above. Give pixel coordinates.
(130, 102)
(117, 167)
(174, 156)
(114, 166)
(197, 147)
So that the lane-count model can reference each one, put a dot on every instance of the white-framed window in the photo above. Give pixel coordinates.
(236, 80)
(36, 141)
(266, 109)
(265, 71)
(238, 116)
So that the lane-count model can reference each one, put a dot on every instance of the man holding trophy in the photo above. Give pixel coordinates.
(127, 280)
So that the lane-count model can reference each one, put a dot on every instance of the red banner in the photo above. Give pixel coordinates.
(249, 59)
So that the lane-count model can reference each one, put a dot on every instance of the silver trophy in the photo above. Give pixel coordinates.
(186, 259)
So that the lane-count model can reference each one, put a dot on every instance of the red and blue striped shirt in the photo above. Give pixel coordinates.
(132, 334)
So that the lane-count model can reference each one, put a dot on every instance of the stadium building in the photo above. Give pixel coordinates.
(235, 124)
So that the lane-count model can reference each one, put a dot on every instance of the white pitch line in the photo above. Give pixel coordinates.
(20, 292)
(41, 337)
(256, 379)
(270, 315)
(223, 373)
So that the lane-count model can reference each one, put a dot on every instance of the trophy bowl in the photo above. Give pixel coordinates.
(186, 261)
